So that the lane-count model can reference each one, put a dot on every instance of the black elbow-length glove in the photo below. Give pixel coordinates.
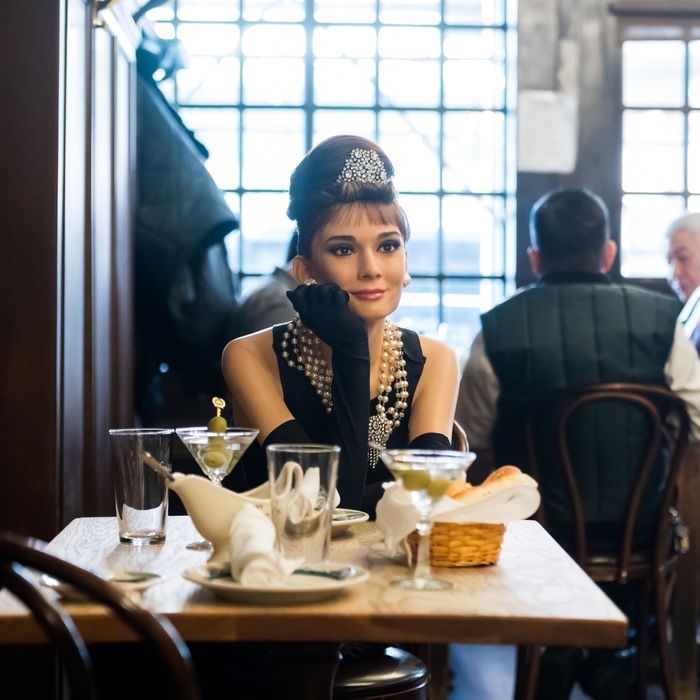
(324, 309)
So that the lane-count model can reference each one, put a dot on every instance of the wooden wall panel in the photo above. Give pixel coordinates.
(65, 293)
(29, 72)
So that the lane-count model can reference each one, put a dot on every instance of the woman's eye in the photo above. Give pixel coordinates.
(389, 246)
(342, 250)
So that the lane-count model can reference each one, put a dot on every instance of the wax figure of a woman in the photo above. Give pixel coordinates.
(341, 372)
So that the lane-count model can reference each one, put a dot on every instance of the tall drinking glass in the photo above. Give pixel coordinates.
(426, 474)
(302, 494)
(140, 495)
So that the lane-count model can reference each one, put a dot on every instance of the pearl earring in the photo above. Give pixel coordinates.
(406, 279)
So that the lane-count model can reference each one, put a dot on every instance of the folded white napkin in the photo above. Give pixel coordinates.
(500, 503)
(254, 560)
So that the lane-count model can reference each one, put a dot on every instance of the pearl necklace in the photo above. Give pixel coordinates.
(301, 350)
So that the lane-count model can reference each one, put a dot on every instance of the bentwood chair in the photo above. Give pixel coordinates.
(642, 551)
(20, 554)
(459, 438)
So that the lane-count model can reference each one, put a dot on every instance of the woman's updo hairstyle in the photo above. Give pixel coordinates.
(338, 171)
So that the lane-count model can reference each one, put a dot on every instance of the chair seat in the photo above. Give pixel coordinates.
(391, 673)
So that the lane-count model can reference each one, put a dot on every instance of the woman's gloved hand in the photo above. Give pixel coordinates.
(324, 309)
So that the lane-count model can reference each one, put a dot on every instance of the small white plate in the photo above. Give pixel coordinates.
(298, 588)
(124, 580)
(343, 518)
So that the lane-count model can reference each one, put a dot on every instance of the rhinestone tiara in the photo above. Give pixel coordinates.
(363, 165)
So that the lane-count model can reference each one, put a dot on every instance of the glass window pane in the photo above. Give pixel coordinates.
(409, 11)
(209, 80)
(423, 212)
(643, 226)
(474, 44)
(360, 11)
(694, 152)
(345, 42)
(273, 143)
(472, 235)
(409, 83)
(407, 42)
(653, 73)
(207, 10)
(463, 302)
(278, 11)
(419, 309)
(329, 122)
(273, 81)
(162, 13)
(653, 145)
(344, 81)
(473, 152)
(694, 77)
(217, 129)
(164, 30)
(411, 139)
(274, 40)
(475, 84)
(209, 39)
(474, 11)
(265, 230)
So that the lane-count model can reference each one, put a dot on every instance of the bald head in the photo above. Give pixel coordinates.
(683, 254)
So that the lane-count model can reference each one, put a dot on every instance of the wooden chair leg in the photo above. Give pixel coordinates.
(642, 642)
(663, 595)
(527, 671)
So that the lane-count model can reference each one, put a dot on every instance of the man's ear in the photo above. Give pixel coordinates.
(609, 255)
(300, 269)
(535, 261)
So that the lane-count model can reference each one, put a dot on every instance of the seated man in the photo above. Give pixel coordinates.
(683, 254)
(573, 326)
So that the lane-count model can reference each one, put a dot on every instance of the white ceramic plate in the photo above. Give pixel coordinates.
(125, 580)
(299, 588)
(343, 518)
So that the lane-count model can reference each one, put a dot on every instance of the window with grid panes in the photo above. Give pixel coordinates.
(660, 136)
(430, 80)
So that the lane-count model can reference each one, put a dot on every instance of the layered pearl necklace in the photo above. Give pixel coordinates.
(301, 350)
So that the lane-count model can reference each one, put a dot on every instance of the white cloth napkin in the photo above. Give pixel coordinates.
(397, 516)
(254, 560)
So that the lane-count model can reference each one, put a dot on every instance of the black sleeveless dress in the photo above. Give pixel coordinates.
(322, 427)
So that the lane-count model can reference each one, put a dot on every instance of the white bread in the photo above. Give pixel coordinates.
(504, 478)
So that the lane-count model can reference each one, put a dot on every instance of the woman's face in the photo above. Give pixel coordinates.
(366, 259)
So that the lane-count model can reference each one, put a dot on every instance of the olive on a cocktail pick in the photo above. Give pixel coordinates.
(218, 423)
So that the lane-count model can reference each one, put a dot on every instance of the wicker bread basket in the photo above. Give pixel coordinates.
(462, 544)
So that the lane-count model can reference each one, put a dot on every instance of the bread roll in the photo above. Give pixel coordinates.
(503, 478)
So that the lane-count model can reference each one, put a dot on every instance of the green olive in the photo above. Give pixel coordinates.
(437, 487)
(214, 459)
(415, 480)
(217, 425)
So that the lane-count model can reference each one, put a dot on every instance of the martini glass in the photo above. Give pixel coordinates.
(426, 475)
(216, 454)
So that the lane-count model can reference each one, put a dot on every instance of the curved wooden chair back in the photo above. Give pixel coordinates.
(459, 438)
(20, 554)
(668, 427)
(653, 566)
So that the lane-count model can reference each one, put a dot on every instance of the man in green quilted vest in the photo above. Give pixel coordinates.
(574, 326)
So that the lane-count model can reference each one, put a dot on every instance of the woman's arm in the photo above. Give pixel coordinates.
(251, 372)
(434, 402)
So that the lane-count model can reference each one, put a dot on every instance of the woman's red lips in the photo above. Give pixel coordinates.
(368, 294)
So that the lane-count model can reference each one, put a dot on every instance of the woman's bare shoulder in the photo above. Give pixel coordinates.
(255, 349)
(436, 350)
